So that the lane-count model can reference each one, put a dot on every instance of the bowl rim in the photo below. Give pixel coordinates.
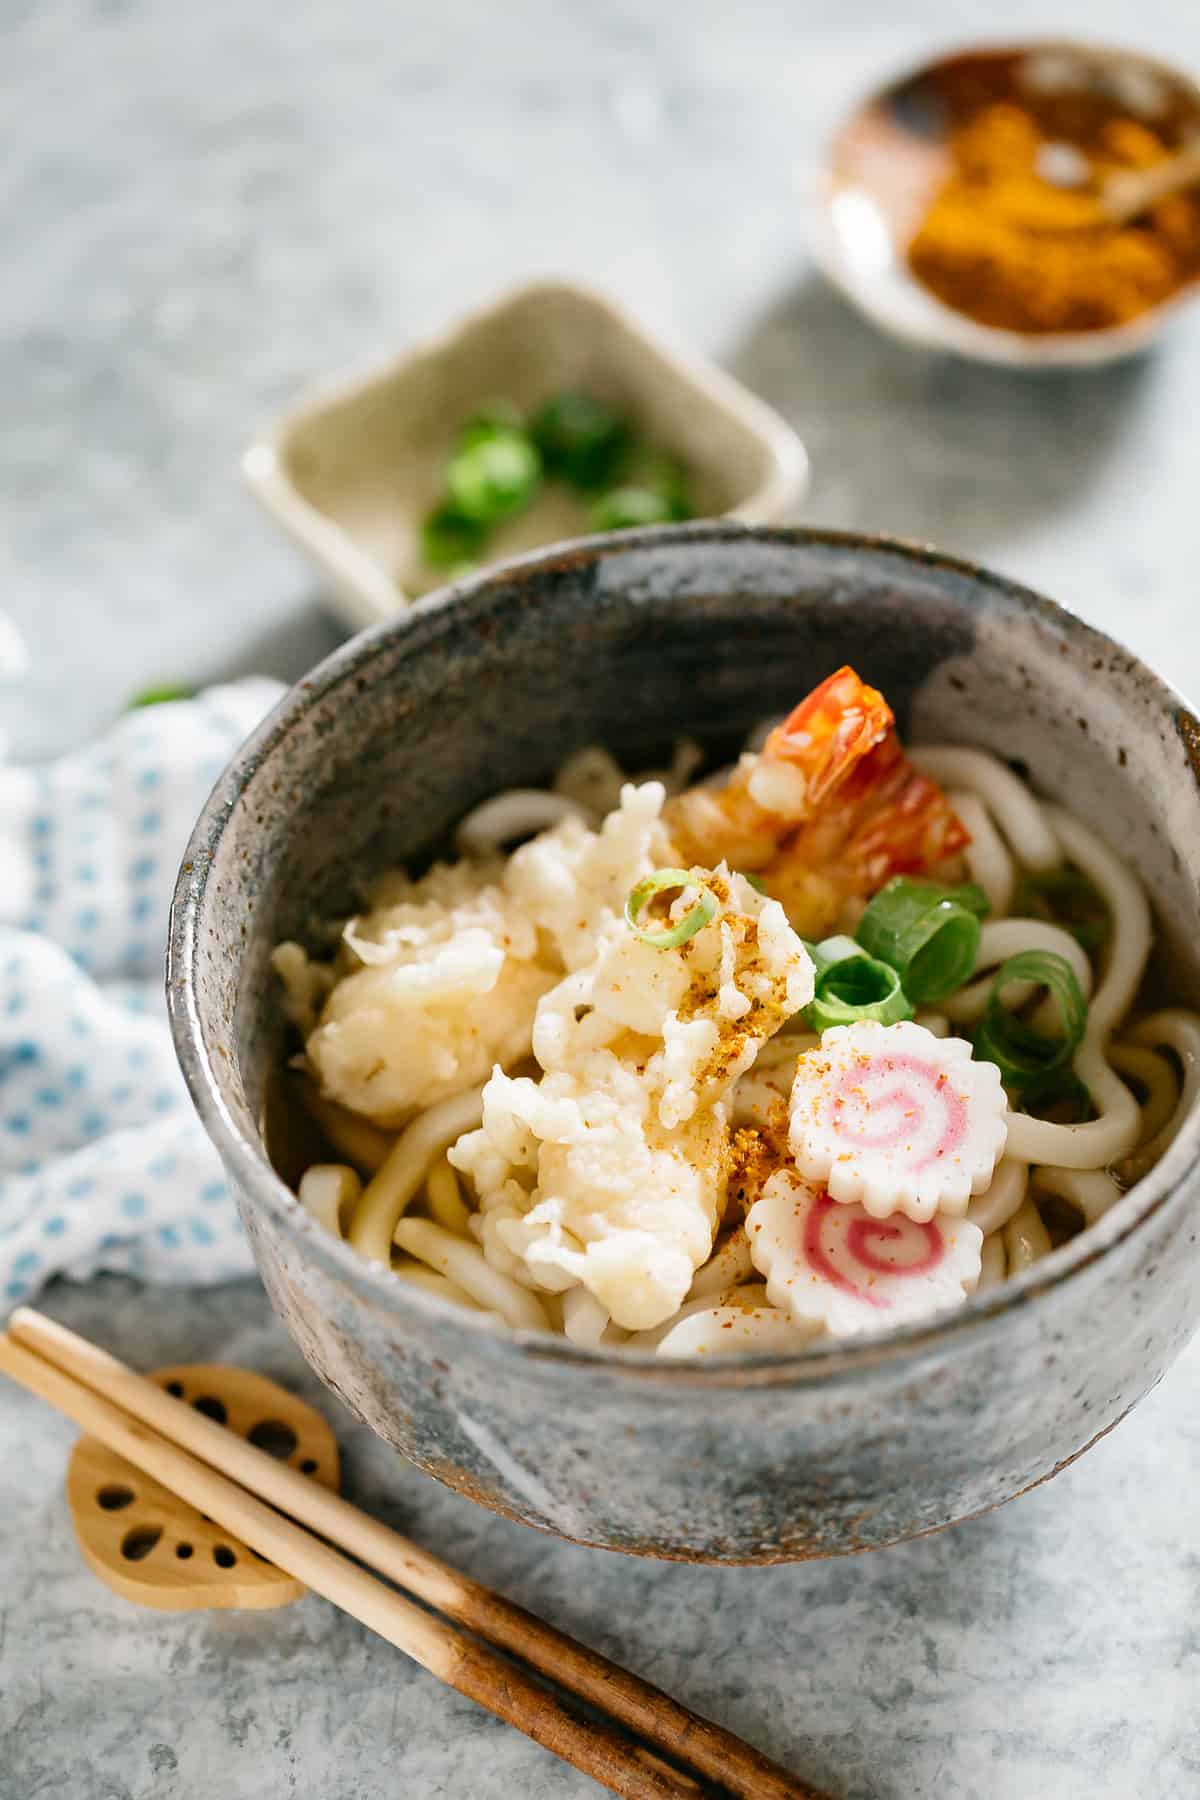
(822, 1362)
(945, 329)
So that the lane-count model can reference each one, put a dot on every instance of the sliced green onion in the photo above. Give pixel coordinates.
(970, 895)
(756, 881)
(160, 696)
(832, 950)
(852, 986)
(694, 920)
(499, 419)
(857, 990)
(663, 475)
(919, 929)
(493, 476)
(582, 440)
(449, 538)
(1066, 897)
(624, 507)
(1027, 1059)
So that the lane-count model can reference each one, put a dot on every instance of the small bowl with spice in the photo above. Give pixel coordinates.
(1036, 206)
(545, 415)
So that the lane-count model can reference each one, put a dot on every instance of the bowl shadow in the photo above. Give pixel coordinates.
(922, 444)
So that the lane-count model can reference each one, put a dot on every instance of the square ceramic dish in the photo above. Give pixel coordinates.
(353, 469)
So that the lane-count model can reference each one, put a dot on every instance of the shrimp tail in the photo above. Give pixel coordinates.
(817, 747)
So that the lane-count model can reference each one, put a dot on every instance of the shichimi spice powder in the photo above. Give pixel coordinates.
(1011, 247)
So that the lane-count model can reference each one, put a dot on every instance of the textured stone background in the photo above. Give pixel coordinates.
(205, 206)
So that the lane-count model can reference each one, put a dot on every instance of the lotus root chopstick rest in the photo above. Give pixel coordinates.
(155, 1549)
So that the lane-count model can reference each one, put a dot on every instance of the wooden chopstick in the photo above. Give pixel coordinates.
(455, 1658)
(637, 1705)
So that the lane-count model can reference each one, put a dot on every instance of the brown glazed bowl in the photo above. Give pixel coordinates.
(626, 641)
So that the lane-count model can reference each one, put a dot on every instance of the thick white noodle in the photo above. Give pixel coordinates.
(551, 1305)
(1114, 1133)
(465, 1263)
(360, 1142)
(993, 1262)
(584, 1319)
(1180, 1031)
(784, 1048)
(517, 813)
(1002, 938)
(1153, 1072)
(1101, 1141)
(757, 1098)
(329, 1192)
(725, 1268)
(1026, 1239)
(728, 1330)
(1130, 911)
(1002, 1198)
(988, 858)
(746, 1294)
(408, 1163)
(1090, 1191)
(1029, 832)
(447, 1207)
(593, 779)
(420, 1275)
(684, 763)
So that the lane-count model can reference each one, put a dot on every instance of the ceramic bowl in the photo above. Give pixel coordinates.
(626, 641)
(352, 471)
(889, 157)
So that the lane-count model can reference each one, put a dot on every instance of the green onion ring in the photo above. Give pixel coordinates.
(923, 932)
(970, 895)
(831, 950)
(694, 920)
(853, 987)
(1025, 1058)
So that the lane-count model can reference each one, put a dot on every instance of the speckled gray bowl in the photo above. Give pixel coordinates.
(625, 641)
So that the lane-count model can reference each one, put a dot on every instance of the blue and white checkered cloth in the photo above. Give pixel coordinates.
(103, 1163)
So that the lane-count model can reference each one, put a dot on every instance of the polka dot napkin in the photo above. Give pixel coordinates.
(103, 1164)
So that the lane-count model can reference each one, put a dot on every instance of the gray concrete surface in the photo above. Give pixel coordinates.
(205, 206)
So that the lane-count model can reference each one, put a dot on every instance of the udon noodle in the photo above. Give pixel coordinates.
(818, 1044)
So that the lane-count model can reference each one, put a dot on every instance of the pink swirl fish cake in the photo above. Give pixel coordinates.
(836, 1267)
(897, 1120)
